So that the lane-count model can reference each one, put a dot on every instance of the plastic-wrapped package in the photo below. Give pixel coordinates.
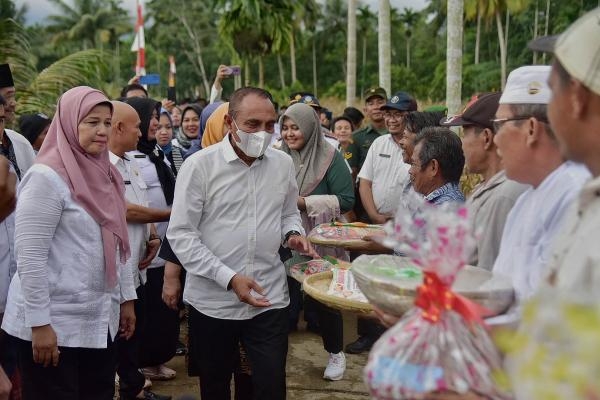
(343, 234)
(441, 344)
(554, 355)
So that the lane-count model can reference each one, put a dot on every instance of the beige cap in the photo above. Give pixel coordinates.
(577, 49)
(527, 85)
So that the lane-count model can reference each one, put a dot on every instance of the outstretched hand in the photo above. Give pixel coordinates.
(243, 287)
(302, 246)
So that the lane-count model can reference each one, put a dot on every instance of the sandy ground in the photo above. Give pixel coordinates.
(305, 365)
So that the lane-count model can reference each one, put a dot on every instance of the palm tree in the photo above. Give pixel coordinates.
(493, 10)
(454, 56)
(306, 13)
(366, 21)
(409, 17)
(87, 21)
(385, 46)
(333, 29)
(38, 92)
(255, 28)
(351, 57)
(473, 10)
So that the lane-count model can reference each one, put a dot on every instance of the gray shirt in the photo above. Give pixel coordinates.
(489, 204)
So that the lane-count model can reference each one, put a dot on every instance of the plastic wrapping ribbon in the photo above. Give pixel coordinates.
(435, 297)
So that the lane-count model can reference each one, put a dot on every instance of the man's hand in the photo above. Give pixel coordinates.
(8, 183)
(152, 247)
(380, 218)
(374, 247)
(44, 345)
(386, 319)
(5, 385)
(171, 285)
(127, 320)
(243, 286)
(302, 246)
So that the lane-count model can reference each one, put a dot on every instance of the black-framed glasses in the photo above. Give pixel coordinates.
(395, 115)
(498, 122)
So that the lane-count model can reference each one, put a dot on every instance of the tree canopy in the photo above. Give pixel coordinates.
(285, 45)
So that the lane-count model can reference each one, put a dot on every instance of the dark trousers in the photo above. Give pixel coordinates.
(216, 349)
(369, 328)
(131, 380)
(160, 335)
(81, 374)
(331, 324)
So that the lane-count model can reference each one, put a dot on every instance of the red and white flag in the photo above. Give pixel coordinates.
(139, 43)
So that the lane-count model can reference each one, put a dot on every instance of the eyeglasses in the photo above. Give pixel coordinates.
(498, 122)
(394, 115)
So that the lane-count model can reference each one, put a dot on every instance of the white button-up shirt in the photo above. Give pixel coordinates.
(532, 226)
(387, 171)
(61, 272)
(8, 263)
(154, 193)
(575, 264)
(135, 193)
(229, 218)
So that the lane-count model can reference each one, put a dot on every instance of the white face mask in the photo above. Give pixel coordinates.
(253, 144)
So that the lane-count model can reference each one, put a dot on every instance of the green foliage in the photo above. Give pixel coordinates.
(203, 34)
(86, 67)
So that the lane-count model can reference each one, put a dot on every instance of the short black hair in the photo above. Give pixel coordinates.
(445, 146)
(2, 101)
(132, 86)
(241, 93)
(417, 120)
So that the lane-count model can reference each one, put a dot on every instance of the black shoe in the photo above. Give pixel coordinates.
(181, 350)
(149, 395)
(362, 344)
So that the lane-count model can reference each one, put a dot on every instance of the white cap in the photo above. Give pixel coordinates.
(577, 49)
(527, 85)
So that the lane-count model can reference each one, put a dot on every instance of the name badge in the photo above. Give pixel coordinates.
(127, 182)
(139, 156)
(384, 155)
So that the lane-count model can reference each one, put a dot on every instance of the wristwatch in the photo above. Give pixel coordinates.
(290, 234)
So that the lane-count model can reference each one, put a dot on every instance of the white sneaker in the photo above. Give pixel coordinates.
(336, 367)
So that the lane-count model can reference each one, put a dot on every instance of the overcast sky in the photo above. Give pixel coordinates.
(39, 9)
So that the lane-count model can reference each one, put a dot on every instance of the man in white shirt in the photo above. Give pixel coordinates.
(531, 155)
(382, 179)
(574, 112)
(235, 203)
(143, 243)
(384, 173)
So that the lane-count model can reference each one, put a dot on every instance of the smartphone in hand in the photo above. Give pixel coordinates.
(234, 70)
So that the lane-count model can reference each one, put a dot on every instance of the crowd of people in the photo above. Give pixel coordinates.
(118, 218)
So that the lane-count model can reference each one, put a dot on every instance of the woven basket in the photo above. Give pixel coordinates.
(316, 286)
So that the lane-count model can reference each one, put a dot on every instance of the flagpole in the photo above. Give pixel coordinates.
(139, 43)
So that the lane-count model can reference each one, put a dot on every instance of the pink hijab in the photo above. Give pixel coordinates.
(95, 183)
